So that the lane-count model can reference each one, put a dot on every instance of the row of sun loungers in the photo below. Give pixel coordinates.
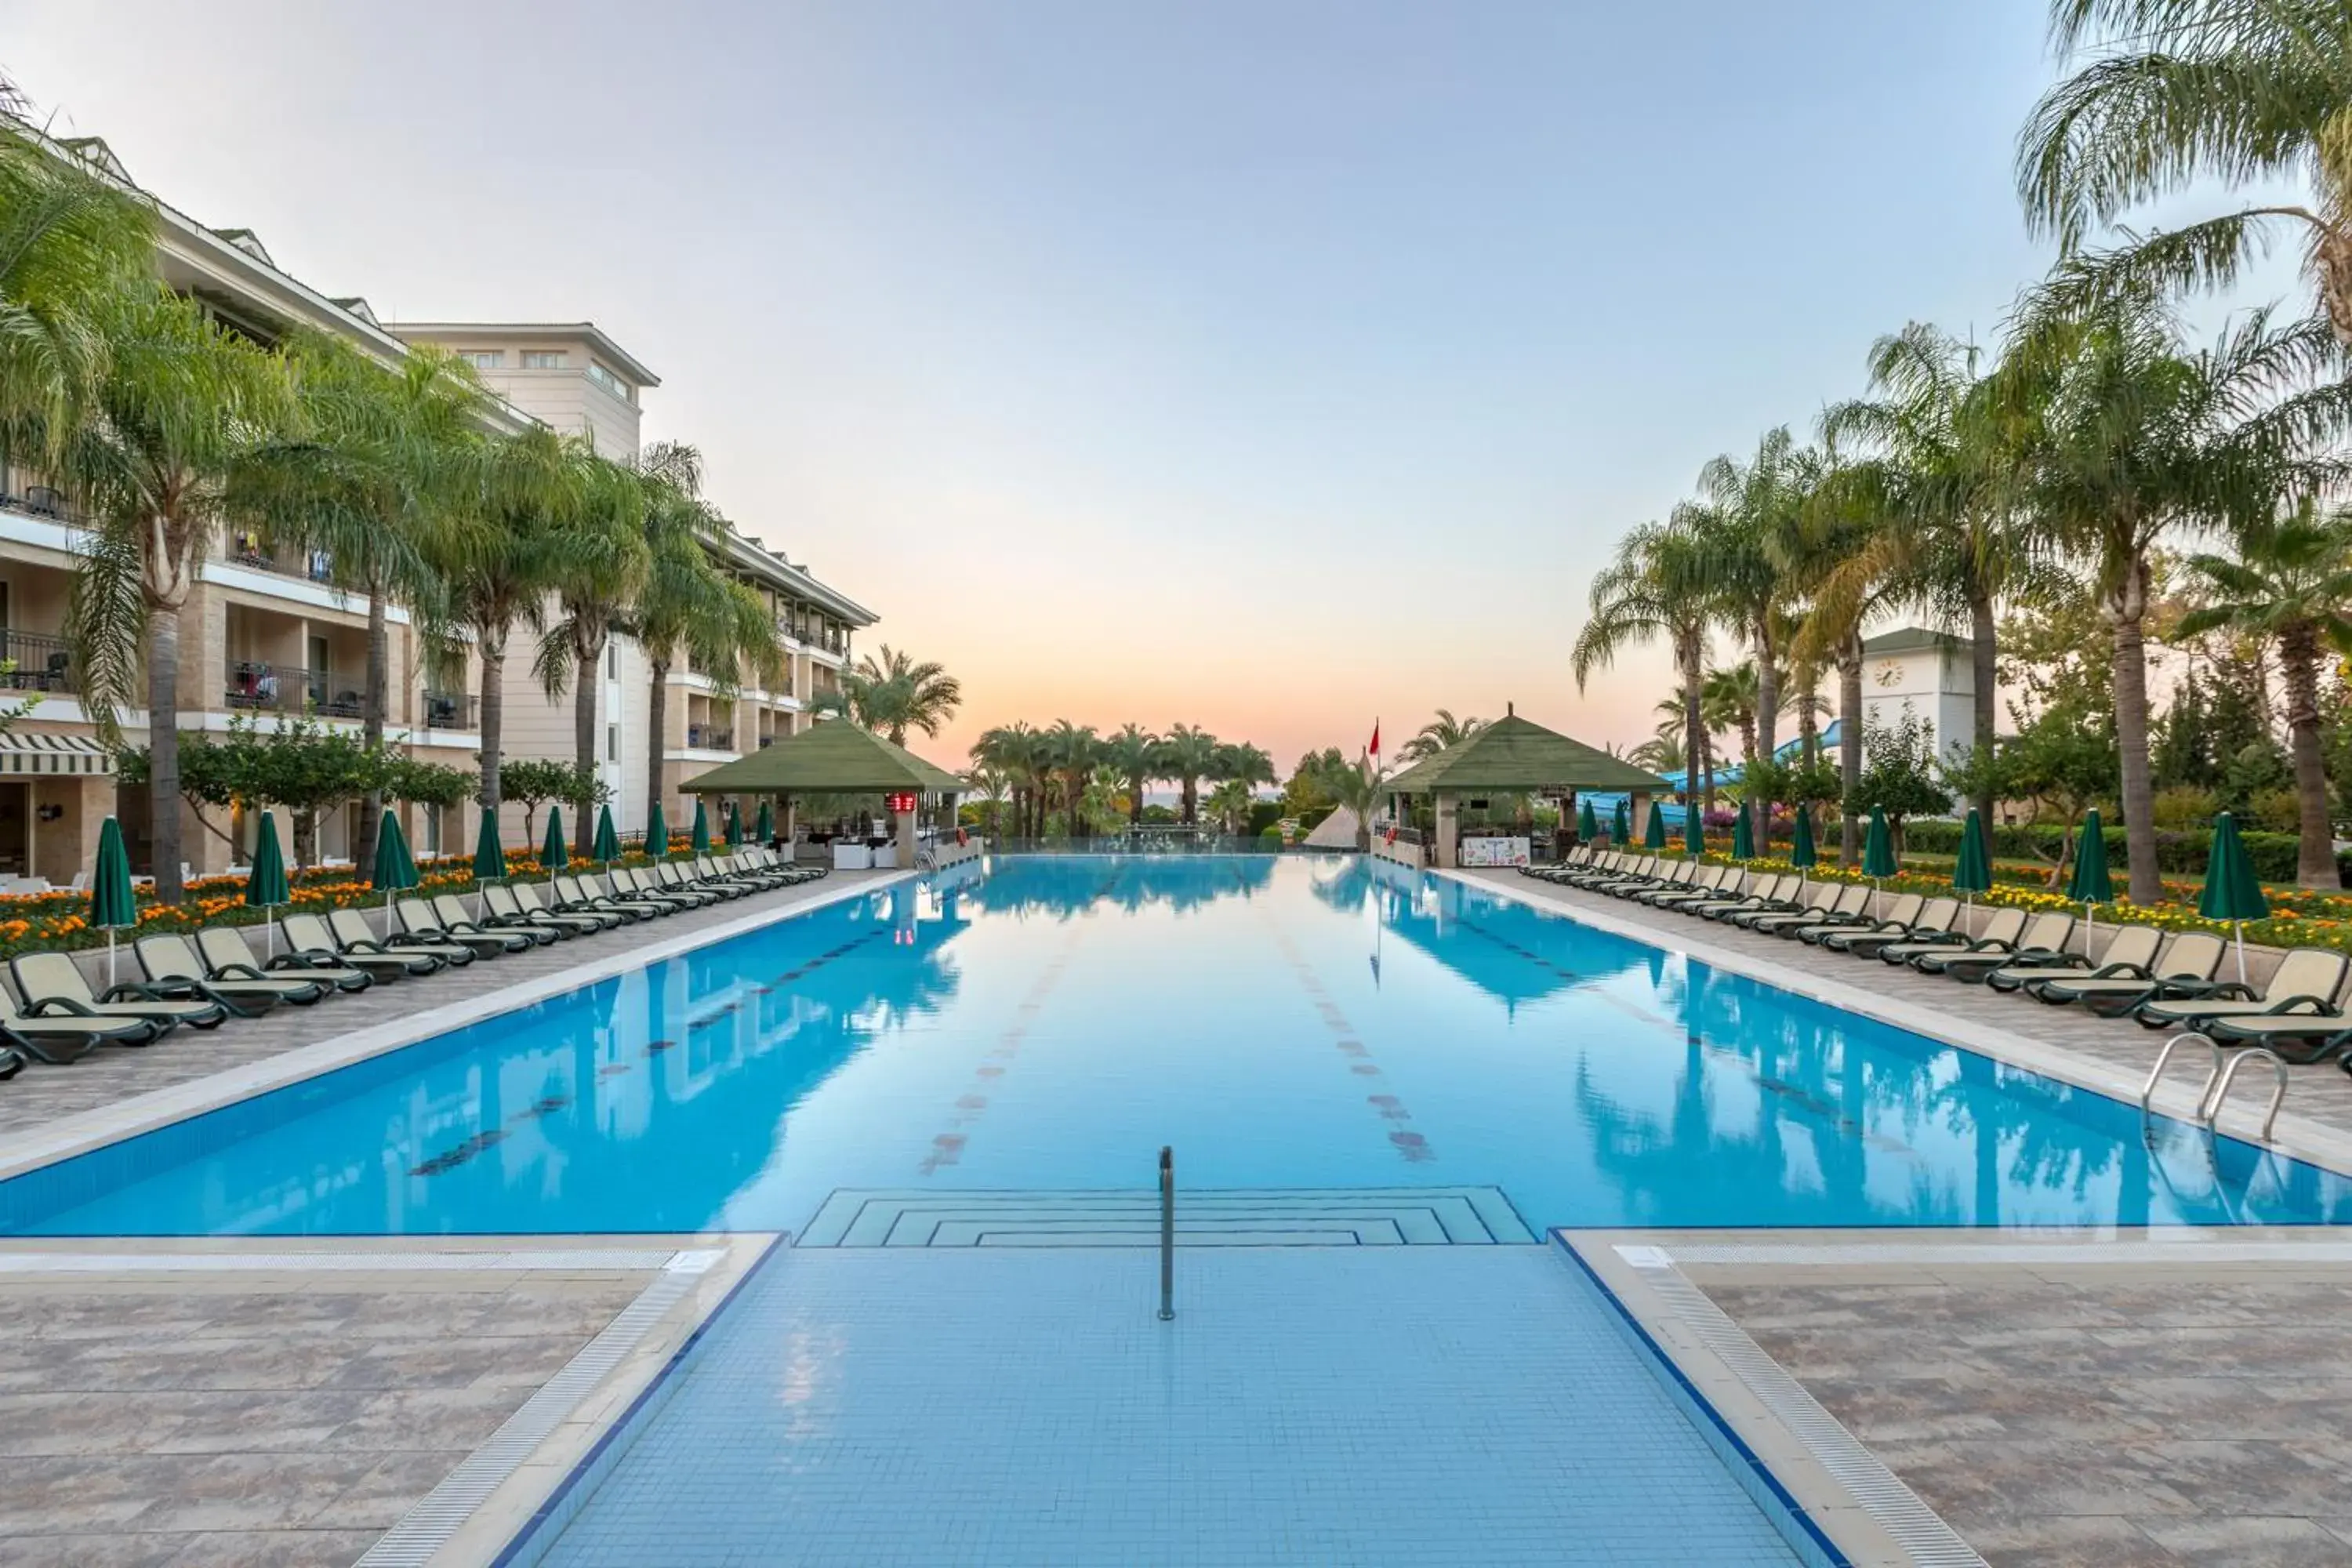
(2162, 981)
(221, 973)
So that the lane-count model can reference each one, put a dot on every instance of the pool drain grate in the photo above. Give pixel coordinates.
(1339, 1216)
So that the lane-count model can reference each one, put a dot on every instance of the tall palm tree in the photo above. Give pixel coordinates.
(1188, 754)
(182, 402)
(1017, 751)
(1240, 762)
(1662, 752)
(1230, 803)
(892, 694)
(601, 559)
(2291, 587)
(1134, 754)
(2177, 94)
(1073, 750)
(499, 574)
(1656, 587)
(380, 477)
(1729, 700)
(687, 607)
(71, 245)
(1440, 733)
(1836, 536)
(1356, 787)
(1750, 508)
(1931, 506)
(2134, 437)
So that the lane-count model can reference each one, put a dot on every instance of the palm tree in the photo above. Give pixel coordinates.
(499, 574)
(1356, 787)
(1230, 803)
(893, 694)
(1016, 751)
(180, 403)
(1928, 511)
(1134, 755)
(601, 560)
(1440, 733)
(1729, 700)
(1656, 587)
(380, 477)
(1188, 753)
(1238, 761)
(688, 606)
(2132, 437)
(990, 783)
(1072, 751)
(2291, 585)
(1662, 752)
(71, 246)
(1750, 508)
(2173, 95)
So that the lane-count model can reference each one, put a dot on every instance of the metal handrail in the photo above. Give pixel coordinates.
(2164, 1060)
(1167, 1233)
(2218, 1090)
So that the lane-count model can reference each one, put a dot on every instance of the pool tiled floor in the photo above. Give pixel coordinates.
(1401, 1405)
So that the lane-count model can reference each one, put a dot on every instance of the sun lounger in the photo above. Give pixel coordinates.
(2306, 981)
(554, 897)
(314, 939)
(1813, 905)
(580, 895)
(351, 929)
(1934, 919)
(55, 977)
(2002, 928)
(58, 1032)
(1711, 888)
(2187, 969)
(1845, 908)
(175, 968)
(637, 882)
(676, 879)
(1764, 893)
(2044, 938)
(526, 898)
(2131, 946)
(418, 918)
(224, 949)
(1899, 916)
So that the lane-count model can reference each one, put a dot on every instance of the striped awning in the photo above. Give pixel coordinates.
(22, 755)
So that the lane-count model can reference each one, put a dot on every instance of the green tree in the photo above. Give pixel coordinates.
(601, 560)
(2290, 586)
(1072, 752)
(1900, 775)
(1655, 588)
(182, 404)
(1188, 754)
(1440, 733)
(1133, 754)
(534, 782)
(1356, 787)
(892, 694)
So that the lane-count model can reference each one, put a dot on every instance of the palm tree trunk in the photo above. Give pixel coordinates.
(1135, 803)
(1809, 727)
(656, 723)
(306, 838)
(1849, 663)
(164, 749)
(494, 712)
(1075, 785)
(1984, 645)
(1693, 655)
(2314, 856)
(373, 707)
(2127, 608)
(1768, 715)
(584, 677)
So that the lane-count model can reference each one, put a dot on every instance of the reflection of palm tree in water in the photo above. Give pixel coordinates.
(1046, 885)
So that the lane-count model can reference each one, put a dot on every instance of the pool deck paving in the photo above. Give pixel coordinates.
(2158, 1408)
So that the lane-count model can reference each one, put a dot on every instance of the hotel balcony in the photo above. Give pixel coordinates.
(42, 663)
(259, 685)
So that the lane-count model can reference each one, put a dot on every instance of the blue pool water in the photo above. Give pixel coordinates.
(1293, 1021)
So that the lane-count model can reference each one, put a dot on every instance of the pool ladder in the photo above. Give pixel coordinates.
(2219, 1077)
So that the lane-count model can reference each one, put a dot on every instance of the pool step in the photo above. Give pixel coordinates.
(1315, 1217)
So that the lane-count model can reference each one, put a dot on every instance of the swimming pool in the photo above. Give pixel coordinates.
(1291, 1022)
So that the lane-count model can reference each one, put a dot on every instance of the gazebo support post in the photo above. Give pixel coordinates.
(904, 828)
(1444, 848)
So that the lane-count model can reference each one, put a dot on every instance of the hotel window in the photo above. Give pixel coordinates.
(611, 382)
(612, 661)
(543, 359)
(483, 359)
(611, 743)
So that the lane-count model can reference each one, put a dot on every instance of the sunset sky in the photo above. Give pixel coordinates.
(1267, 367)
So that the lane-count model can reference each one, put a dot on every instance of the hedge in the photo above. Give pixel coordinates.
(2179, 854)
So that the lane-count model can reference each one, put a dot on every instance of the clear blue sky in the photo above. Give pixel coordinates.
(1265, 365)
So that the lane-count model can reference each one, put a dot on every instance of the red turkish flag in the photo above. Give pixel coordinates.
(1376, 738)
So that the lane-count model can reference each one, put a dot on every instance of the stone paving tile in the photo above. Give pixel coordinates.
(42, 1093)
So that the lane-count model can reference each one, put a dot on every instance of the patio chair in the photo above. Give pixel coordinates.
(2004, 927)
(418, 918)
(2305, 981)
(351, 929)
(1763, 893)
(1846, 907)
(224, 949)
(637, 883)
(707, 870)
(61, 1032)
(1934, 919)
(175, 968)
(529, 897)
(675, 878)
(2187, 969)
(2132, 947)
(580, 895)
(47, 977)
(1899, 915)
(1811, 905)
(552, 897)
(1713, 884)
(312, 941)
(2044, 938)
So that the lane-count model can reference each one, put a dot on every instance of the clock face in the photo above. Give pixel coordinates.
(1889, 673)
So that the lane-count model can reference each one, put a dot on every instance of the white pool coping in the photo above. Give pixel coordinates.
(80, 1133)
(2297, 1137)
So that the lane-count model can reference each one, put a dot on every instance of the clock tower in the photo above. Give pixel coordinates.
(1927, 673)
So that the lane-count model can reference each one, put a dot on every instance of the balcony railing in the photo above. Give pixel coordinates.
(43, 663)
(38, 501)
(450, 711)
(282, 689)
(709, 738)
(311, 565)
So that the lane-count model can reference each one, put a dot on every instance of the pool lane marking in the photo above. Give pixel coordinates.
(1411, 1146)
(947, 1148)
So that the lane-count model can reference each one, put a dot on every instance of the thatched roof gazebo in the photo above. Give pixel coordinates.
(1515, 755)
(835, 757)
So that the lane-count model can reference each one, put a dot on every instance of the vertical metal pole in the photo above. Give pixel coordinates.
(1167, 1234)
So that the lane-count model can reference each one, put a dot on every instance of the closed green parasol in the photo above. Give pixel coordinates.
(1588, 827)
(553, 856)
(767, 829)
(1743, 840)
(265, 884)
(113, 904)
(656, 832)
(1620, 829)
(1654, 836)
(1801, 853)
(702, 828)
(1693, 831)
(734, 839)
(1878, 847)
(2091, 886)
(490, 856)
(2231, 891)
(1973, 872)
(608, 843)
(395, 868)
